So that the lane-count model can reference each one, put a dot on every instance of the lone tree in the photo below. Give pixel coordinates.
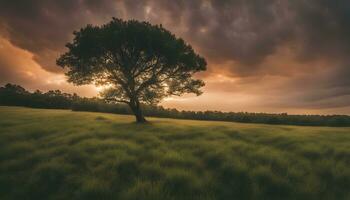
(141, 63)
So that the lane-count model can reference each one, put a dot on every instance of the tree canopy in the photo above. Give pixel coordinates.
(140, 62)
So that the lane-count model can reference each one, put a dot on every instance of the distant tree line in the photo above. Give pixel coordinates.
(15, 95)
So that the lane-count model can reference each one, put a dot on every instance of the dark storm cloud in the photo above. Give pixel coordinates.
(237, 37)
(43, 27)
(223, 30)
(323, 27)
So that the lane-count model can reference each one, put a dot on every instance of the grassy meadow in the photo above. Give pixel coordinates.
(60, 154)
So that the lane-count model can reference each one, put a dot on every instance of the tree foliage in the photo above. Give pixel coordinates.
(142, 63)
(15, 95)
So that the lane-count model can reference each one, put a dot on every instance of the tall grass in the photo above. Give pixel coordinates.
(57, 154)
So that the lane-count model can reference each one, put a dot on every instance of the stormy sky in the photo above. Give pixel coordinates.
(263, 56)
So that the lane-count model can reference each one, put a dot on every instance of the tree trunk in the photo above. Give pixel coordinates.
(136, 109)
(139, 116)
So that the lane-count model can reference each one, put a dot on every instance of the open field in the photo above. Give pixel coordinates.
(60, 154)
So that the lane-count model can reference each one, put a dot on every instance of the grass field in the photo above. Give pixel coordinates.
(60, 154)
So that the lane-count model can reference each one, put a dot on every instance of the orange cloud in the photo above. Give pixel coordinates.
(18, 66)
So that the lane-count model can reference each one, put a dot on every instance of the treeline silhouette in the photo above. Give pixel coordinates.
(15, 95)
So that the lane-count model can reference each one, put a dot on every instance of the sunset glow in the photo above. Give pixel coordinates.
(277, 60)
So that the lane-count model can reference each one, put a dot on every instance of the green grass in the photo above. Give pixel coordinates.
(60, 154)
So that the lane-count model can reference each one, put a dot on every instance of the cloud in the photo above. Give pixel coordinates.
(281, 54)
(44, 27)
(226, 30)
(17, 66)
